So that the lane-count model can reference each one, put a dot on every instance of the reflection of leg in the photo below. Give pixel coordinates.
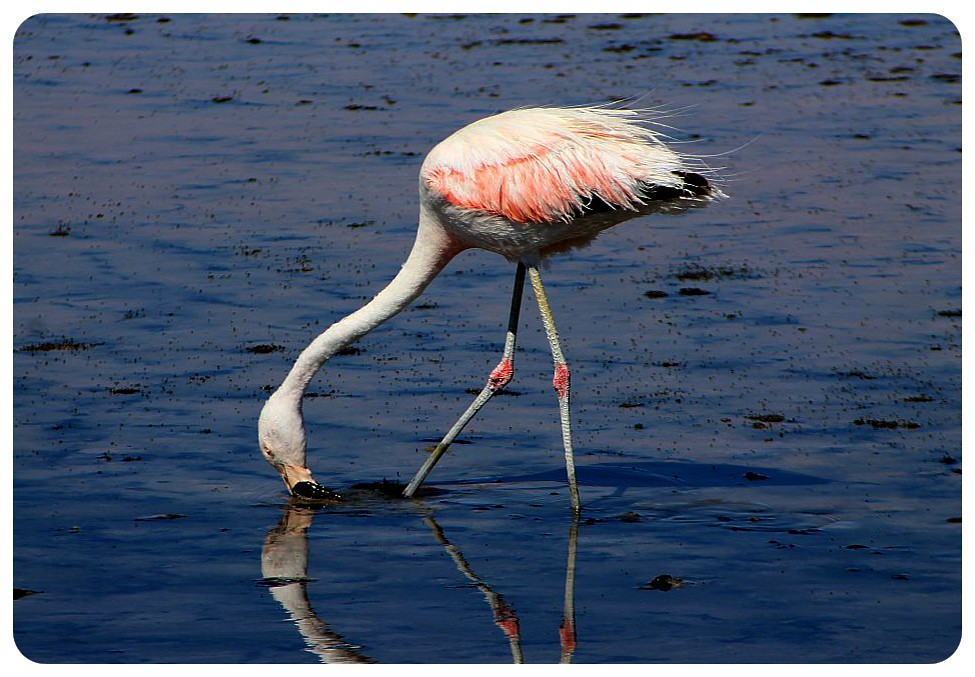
(284, 566)
(561, 383)
(504, 613)
(498, 379)
(567, 631)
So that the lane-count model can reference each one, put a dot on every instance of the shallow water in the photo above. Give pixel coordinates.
(196, 196)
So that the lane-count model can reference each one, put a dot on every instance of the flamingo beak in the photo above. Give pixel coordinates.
(300, 484)
(298, 479)
(293, 474)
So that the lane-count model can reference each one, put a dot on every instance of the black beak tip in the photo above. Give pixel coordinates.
(313, 491)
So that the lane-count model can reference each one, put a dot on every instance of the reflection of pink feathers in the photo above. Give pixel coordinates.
(546, 164)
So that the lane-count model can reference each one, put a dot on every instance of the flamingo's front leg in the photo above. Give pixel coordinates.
(560, 381)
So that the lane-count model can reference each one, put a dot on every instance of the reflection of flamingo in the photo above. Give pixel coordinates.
(284, 566)
(524, 184)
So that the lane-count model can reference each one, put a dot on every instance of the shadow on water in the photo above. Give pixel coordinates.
(623, 476)
(284, 569)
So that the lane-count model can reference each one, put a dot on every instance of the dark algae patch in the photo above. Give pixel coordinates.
(701, 273)
(63, 230)
(695, 37)
(766, 418)
(264, 348)
(885, 424)
(664, 583)
(394, 490)
(160, 517)
(49, 346)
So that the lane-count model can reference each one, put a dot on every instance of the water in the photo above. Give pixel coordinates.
(196, 196)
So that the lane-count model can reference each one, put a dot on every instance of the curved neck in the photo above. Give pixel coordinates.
(432, 250)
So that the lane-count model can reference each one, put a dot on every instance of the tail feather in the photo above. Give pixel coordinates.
(655, 197)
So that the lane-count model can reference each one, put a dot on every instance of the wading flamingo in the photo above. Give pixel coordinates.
(524, 184)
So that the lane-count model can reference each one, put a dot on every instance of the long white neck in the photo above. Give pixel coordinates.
(432, 250)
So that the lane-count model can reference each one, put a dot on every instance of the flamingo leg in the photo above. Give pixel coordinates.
(560, 382)
(499, 377)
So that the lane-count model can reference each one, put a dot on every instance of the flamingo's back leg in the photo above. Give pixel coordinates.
(500, 376)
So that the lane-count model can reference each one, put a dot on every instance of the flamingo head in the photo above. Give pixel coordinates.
(281, 435)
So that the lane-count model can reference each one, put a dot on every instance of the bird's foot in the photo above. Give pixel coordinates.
(313, 491)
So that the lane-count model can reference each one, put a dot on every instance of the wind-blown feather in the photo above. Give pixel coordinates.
(541, 165)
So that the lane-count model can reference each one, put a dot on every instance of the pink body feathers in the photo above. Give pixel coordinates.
(542, 173)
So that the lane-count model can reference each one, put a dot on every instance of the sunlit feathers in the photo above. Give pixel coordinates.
(543, 165)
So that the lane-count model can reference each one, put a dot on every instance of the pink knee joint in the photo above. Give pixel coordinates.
(501, 375)
(567, 636)
(561, 380)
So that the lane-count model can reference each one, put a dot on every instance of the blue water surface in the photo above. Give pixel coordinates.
(771, 470)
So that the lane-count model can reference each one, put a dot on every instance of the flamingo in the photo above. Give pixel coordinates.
(525, 184)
